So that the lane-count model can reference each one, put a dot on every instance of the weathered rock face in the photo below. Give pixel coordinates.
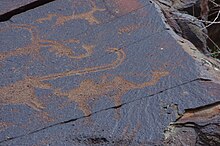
(107, 72)
(13, 7)
(199, 126)
(7, 6)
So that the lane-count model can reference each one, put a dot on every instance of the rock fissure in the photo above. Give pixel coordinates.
(114, 107)
(8, 15)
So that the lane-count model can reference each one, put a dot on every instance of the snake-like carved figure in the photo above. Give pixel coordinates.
(23, 91)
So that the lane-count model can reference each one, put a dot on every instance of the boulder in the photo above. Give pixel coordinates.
(112, 72)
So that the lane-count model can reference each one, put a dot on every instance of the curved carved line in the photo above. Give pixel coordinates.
(120, 58)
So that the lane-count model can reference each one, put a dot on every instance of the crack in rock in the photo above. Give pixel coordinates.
(8, 15)
(114, 107)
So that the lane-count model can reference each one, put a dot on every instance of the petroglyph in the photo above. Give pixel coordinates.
(23, 92)
(118, 61)
(114, 89)
(61, 19)
(62, 50)
(34, 48)
(129, 28)
(31, 49)
(4, 125)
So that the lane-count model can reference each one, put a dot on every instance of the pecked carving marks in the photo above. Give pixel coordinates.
(114, 89)
(61, 19)
(33, 49)
(23, 92)
(4, 125)
(120, 58)
(62, 50)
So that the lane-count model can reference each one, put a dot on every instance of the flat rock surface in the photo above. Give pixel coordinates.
(95, 73)
(9, 5)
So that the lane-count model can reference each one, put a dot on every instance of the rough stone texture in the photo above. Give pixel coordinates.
(200, 126)
(96, 72)
(9, 5)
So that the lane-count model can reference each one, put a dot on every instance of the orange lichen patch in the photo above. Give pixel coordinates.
(115, 89)
(199, 115)
(120, 58)
(23, 92)
(126, 6)
(88, 16)
(129, 28)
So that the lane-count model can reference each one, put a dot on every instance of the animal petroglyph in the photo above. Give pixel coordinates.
(62, 50)
(23, 92)
(115, 89)
(61, 19)
(31, 49)
(34, 48)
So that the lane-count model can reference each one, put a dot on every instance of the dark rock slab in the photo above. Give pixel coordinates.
(140, 123)
(10, 8)
(112, 69)
(200, 126)
(9, 5)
